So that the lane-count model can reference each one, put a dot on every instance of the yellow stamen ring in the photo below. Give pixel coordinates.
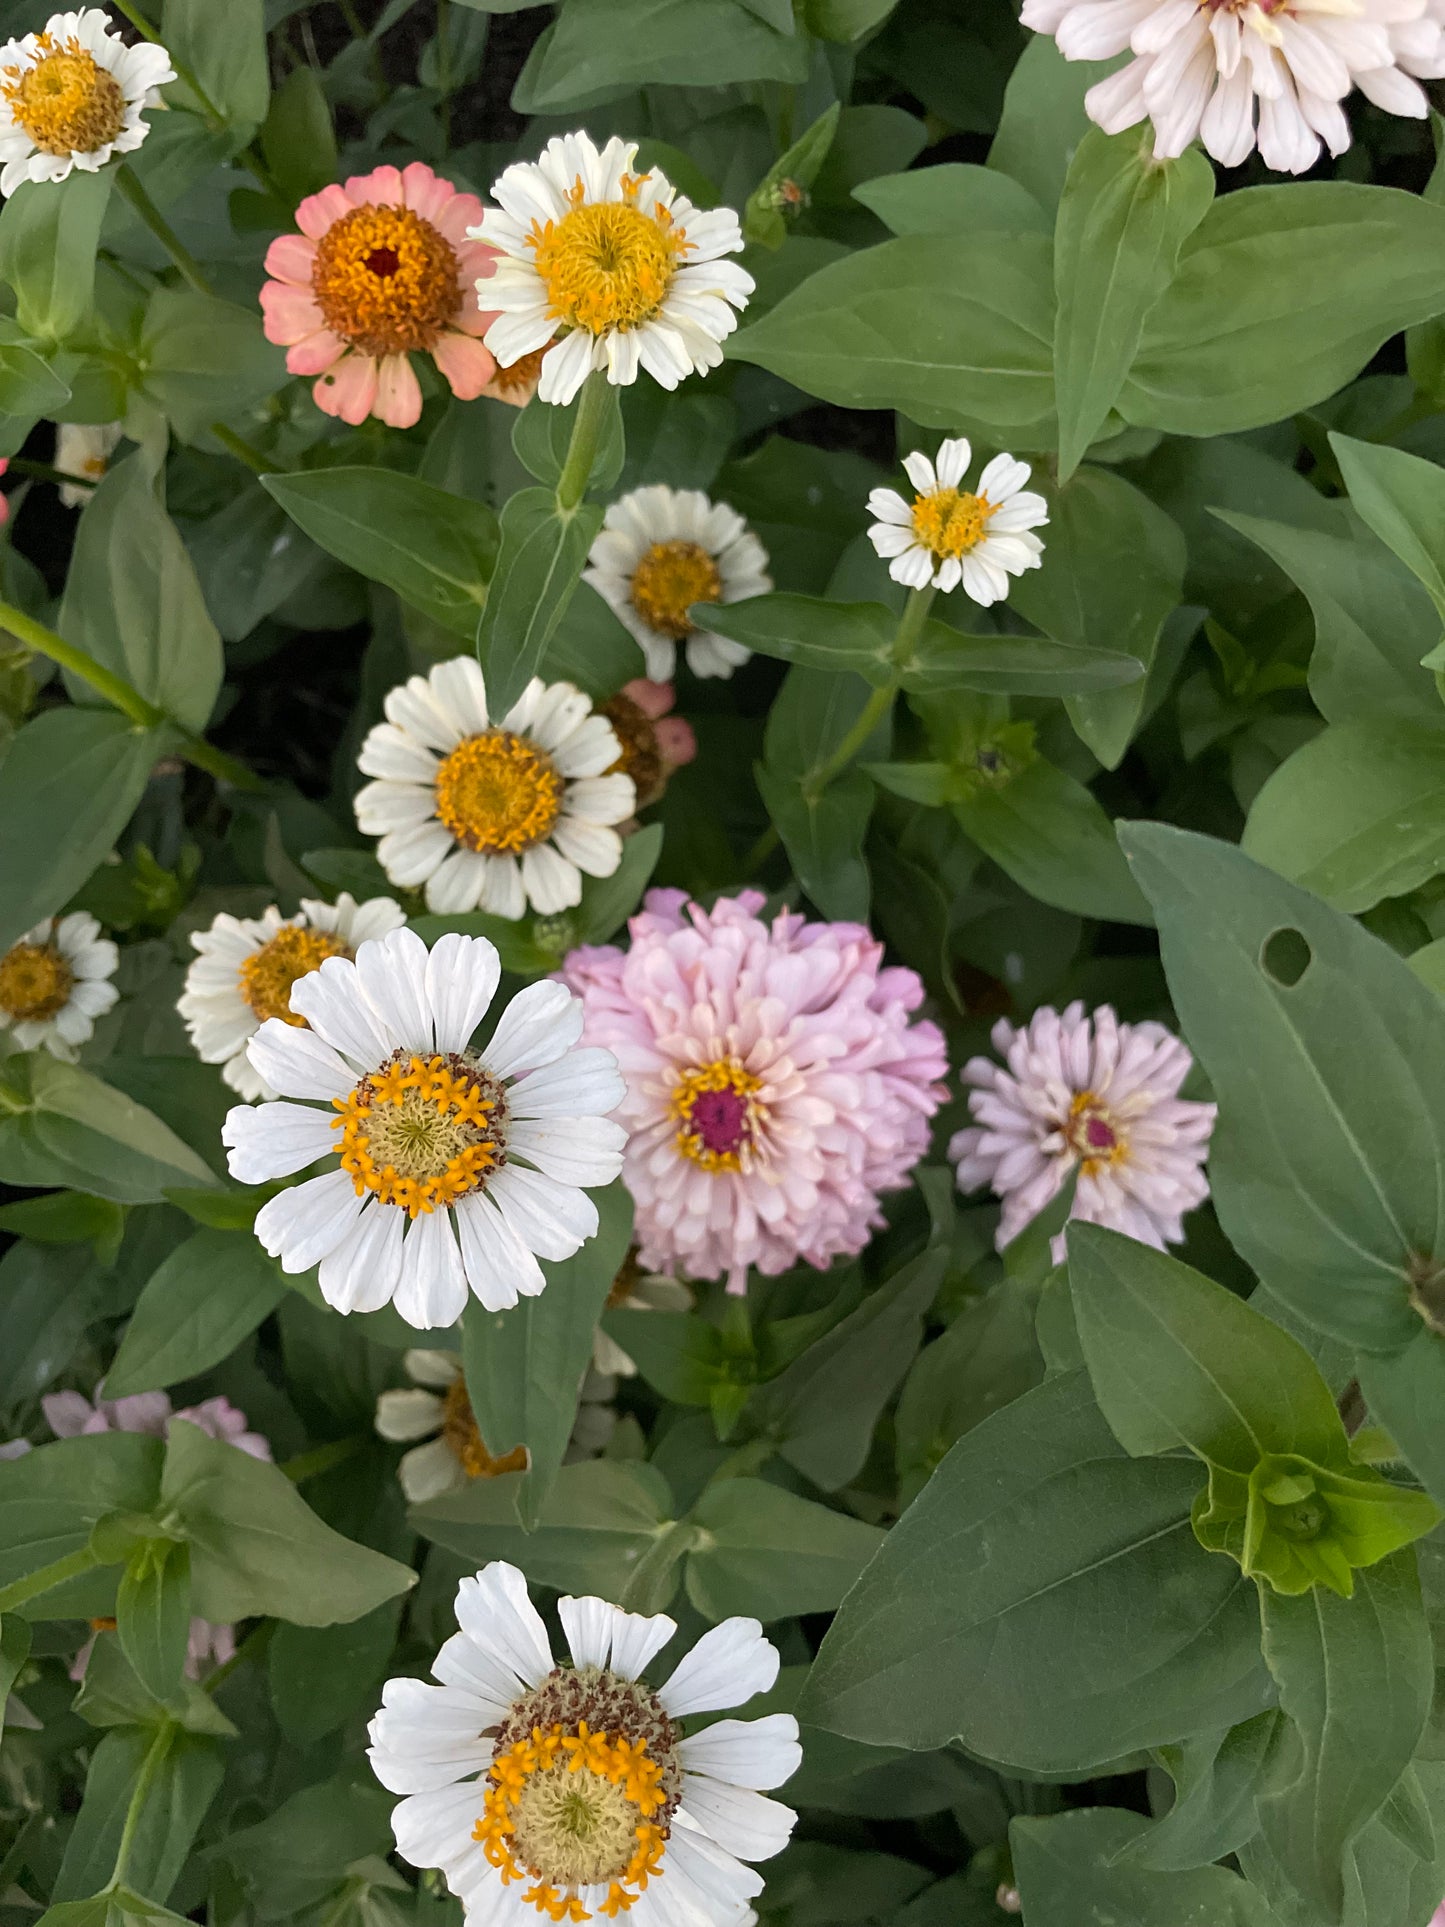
(269, 974)
(950, 522)
(35, 982)
(67, 102)
(499, 794)
(422, 1132)
(606, 264)
(670, 577)
(717, 1114)
(386, 281)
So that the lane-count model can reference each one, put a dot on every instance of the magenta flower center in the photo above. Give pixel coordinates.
(1093, 1135)
(716, 1113)
(720, 1119)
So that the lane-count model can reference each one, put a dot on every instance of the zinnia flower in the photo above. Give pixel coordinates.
(458, 1166)
(572, 1788)
(381, 270)
(1089, 1092)
(247, 966)
(436, 1410)
(84, 449)
(945, 535)
(775, 1083)
(654, 741)
(662, 550)
(72, 96)
(55, 982)
(1237, 72)
(493, 815)
(625, 267)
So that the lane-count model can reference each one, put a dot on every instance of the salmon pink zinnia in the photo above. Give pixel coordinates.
(381, 270)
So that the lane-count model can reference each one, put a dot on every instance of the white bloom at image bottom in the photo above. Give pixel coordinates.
(947, 536)
(459, 1167)
(661, 550)
(72, 95)
(55, 982)
(622, 266)
(573, 1790)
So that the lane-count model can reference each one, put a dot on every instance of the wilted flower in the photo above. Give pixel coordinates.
(55, 982)
(571, 1788)
(247, 966)
(72, 95)
(654, 741)
(775, 1083)
(625, 267)
(382, 269)
(493, 815)
(458, 1166)
(84, 449)
(946, 536)
(1086, 1092)
(661, 551)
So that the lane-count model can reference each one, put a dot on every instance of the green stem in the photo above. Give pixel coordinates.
(444, 71)
(133, 191)
(905, 641)
(586, 435)
(353, 19)
(215, 762)
(147, 32)
(44, 472)
(322, 1458)
(247, 452)
(250, 1648)
(758, 855)
(45, 642)
(150, 1766)
(19, 1591)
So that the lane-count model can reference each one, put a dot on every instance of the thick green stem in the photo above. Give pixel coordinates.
(321, 1458)
(215, 762)
(586, 436)
(905, 641)
(150, 1766)
(247, 452)
(45, 642)
(47, 1578)
(45, 472)
(352, 18)
(133, 191)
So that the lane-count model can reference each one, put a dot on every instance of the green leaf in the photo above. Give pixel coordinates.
(539, 564)
(153, 1613)
(1123, 218)
(112, 1695)
(185, 1779)
(1403, 1391)
(1044, 1600)
(63, 1126)
(211, 1292)
(823, 833)
(543, 435)
(299, 140)
(767, 1553)
(204, 359)
(48, 1296)
(524, 1367)
(1356, 814)
(1178, 1360)
(1076, 1870)
(437, 550)
(1355, 1677)
(602, 48)
(845, 20)
(133, 602)
(1054, 839)
(321, 1675)
(1312, 277)
(797, 167)
(953, 198)
(297, 1856)
(226, 52)
(14, 1651)
(29, 387)
(52, 1498)
(49, 233)
(69, 784)
(65, 1218)
(956, 337)
(257, 1547)
(1217, 1780)
(1044, 119)
(1403, 500)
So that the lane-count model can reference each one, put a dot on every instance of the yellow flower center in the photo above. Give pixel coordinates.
(499, 794)
(67, 103)
(463, 1439)
(668, 580)
(606, 264)
(422, 1132)
(1093, 1133)
(268, 974)
(385, 280)
(950, 521)
(717, 1114)
(35, 982)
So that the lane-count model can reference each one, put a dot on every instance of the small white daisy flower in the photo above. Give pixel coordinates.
(55, 982)
(84, 449)
(572, 1789)
(493, 815)
(247, 966)
(72, 96)
(624, 268)
(946, 536)
(459, 1166)
(659, 551)
(436, 1410)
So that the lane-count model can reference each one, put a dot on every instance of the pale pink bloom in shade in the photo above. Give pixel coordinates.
(1086, 1091)
(381, 270)
(776, 1084)
(654, 742)
(1238, 74)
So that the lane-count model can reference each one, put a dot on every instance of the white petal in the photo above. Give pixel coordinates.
(297, 1063)
(552, 1219)
(428, 1471)
(499, 1266)
(727, 1666)
(461, 979)
(587, 1624)
(303, 1225)
(267, 1141)
(439, 1370)
(432, 1290)
(580, 1083)
(362, 1272)
(408, 1414)
(744, 1823)
(331, 1001)
(539, 1024)
(750, 1753)
(392, 972)
(637, 1640)
(495, 1610)
(584, 1151)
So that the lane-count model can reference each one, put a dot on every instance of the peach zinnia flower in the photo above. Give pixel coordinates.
(381, 270)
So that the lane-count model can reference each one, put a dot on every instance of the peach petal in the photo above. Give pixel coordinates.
(291, 313)
(676, 742)
(467, 365)
(316, 353)
(382, 187)
(318, 212)
(471, 319)
(476, 261)
(398, 392)
(349, 390)
(654, 699)
(424, 191)
(291, 257)
(455, 215)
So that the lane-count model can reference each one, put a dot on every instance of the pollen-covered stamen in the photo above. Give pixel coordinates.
(668, 580)
(606, 264)
(1094, 1134)
(499, 794)
(463, 1439)
(641, 759)
(35, 982)
(521, 376)
(67, 102)
(718, 1115)
(386, 281)
(422, 1132)
(950, 521)
(269, 974)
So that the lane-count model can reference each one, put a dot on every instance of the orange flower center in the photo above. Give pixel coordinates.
(606, 264)
(717, 1114)
(67, 103)
(951, 521)
(640, 759)
(423, 1132)
(499, 794)
(667, 581)
(521, 377)
(386, 281)
(463, 1439)
(268, 974)
(35, 982)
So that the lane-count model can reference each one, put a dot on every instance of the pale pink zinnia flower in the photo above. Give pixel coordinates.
(775, 1083)
(381, 270)
(654, 741)
(1087, 1091)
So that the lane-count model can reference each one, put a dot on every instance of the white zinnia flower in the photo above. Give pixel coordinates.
(659, 551)
(946, 535)
(624, 267)
(247, 966)
(72, 96)
(458, 1165)
(1087, 1091)
(84, 449)
(571, 1789)
(493, 815)
(1240, 72)
(55, 982)
(435, 1409)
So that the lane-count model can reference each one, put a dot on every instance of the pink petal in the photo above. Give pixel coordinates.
(675, 742)
(291, 313)
(471, 319)
(318, 212)
(467, 365)
(654, 699)
(455, 216)
(291, 257)
(423, 191)
(316, 353)
(398, 393)
(382, 187)
(349, 390)
(477, 261)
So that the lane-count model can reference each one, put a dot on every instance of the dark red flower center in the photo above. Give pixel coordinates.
(720, 1119)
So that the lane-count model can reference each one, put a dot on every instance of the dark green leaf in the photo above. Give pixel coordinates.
(1075, 1870)
(226, 52)
(211, 1292)
(59, 1125)
(1054, 839)
(49, 232)
(953, 198)
(185, 1777)
(48, 1295)
(51, 1498)
(203, 359)
(767, 1553)
(153, 1613)
(602, 48)
(823, 833)
(539, 565)
(1402, 498)
(543, 435)
(14, 1651)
